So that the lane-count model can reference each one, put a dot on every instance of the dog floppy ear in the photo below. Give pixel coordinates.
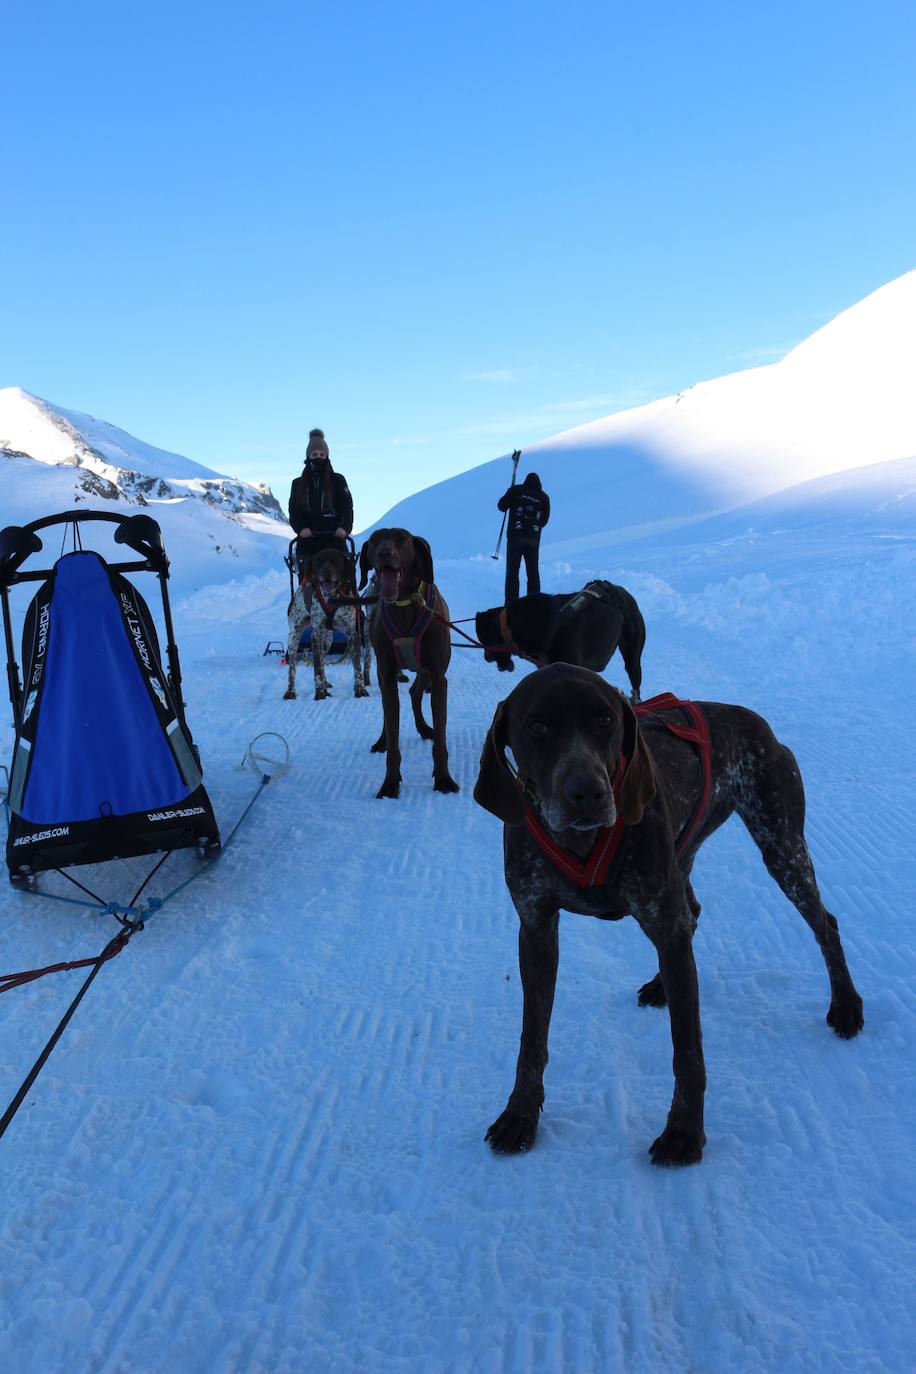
(364, 564)
(638, 786)
(495, 789)
(423, 559)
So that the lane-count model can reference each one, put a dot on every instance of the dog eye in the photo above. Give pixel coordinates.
(538, 728)
(605, 722)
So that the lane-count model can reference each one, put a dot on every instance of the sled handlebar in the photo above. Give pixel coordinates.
(139, 532)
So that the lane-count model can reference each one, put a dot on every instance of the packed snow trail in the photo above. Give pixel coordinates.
(259, 1147)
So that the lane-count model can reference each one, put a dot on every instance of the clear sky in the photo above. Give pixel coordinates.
(438, 230)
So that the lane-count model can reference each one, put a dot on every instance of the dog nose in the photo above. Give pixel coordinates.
(586, 789)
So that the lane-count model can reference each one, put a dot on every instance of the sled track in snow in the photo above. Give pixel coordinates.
(272, 1110)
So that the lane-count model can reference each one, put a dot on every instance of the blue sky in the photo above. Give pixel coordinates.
(437, 230)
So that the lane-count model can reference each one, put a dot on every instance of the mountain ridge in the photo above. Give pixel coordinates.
(33, 428)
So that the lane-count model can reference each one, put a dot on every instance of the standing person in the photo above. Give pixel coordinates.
(320, 504)
(528, 506)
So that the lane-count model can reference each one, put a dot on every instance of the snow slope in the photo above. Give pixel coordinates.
(259, 1145)
(842, 399)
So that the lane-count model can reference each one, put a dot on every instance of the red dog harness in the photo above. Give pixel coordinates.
(608, 850)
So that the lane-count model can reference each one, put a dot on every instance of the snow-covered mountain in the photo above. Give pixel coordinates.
(842, 399)
(217, 529)
(113, 465)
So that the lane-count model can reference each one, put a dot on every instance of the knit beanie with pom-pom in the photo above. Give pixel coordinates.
(316, 440)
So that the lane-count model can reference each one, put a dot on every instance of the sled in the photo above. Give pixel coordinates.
(104, 765)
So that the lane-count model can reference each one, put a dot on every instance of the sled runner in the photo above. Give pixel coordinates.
(104, 765)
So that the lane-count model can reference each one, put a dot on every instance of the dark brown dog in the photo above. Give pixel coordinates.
(573, 736)
(408, 630)
(583, 627)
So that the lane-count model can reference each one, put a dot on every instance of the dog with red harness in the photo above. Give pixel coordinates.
(604, 810)
(327, 599)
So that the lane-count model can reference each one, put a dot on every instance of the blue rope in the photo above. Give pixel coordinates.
(72, 901)
(142, 913)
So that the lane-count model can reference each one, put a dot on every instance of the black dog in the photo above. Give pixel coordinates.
(590, 775)
(577, 627)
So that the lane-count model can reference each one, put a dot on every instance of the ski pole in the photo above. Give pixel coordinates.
(516, 455)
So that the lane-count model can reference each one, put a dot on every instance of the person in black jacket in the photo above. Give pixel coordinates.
(528, 506)
(320, 504)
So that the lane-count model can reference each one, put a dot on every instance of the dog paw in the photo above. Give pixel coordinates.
(390, 788)
(289, 695)
(846, 1018)
(445, 784)
(402, 677)
(379, 747)
(677, 1146)
(506, 665)
(360, 692)
(425, 732)
(514, 1132)
(321, 694)
(652, 994)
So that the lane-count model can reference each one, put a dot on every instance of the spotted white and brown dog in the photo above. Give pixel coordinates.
(327, 598)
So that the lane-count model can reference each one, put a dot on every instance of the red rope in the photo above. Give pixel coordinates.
(16, 980)
(491, 648)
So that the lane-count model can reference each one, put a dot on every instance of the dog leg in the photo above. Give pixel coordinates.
(442, 778)
(392, 708)
(321, 643)
(652, 994)
(417, 688)
(367, 655)
(538, 959)
(631, 647)
(772, 807)
(668, 927)
(298, 615)
(359, 680)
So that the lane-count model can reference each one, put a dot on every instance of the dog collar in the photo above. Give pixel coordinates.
(505, 632)
(416, 597)
(506, 635)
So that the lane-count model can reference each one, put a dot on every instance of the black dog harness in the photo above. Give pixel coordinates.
(408, 648)
(606, 859)
(591, 591)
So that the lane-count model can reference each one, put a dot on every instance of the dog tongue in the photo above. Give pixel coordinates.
(388, 583)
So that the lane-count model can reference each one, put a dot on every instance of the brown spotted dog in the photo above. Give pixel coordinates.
(409, 629)
(326, 596)
(661, 779)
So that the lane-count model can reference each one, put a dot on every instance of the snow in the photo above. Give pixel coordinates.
(259, 1144)
(842, 399)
